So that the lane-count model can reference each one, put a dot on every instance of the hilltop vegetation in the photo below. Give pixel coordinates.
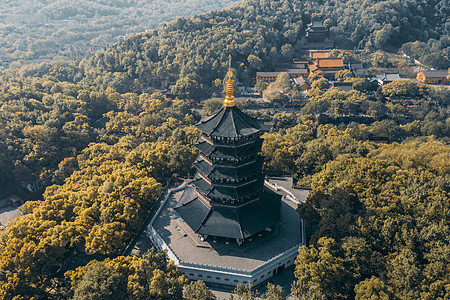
(33, 30)
(258, 33)
(103, 148)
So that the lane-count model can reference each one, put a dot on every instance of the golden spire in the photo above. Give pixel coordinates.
(229, 98)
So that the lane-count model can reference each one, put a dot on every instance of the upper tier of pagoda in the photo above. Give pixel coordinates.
(229, 124)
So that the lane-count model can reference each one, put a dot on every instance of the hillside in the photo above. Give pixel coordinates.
(263, 33)
(102, 145)
(35, 30)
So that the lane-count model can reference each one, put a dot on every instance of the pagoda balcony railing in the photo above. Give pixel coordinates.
(203, 175)
(206, 158)
(236, 203)
(230, 142)
(225, 163)
(207, 138)
(234, 164)
(203, 195)
(233, 185)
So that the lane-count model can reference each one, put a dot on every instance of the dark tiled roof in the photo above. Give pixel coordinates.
(259, 215)
(238, 223)
(344, 86)
(356, 66)
(191, 208)
(222, 222)
(392, 77)
(296, 71)
(229, 122)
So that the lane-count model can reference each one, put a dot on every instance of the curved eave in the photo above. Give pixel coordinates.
(229, 122)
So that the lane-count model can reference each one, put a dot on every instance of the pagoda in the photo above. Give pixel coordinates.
(227, 198)
(316, 32)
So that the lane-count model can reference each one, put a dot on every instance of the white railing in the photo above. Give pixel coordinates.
(169, 194)
(158, 241)
(251, 272)
(289, 194)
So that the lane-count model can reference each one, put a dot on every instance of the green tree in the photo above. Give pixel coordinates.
(197, 290)
(322, 269)
(211, 105)
(186, 88)
(379, 59)
(261, 86)
(101, 282)
(274, 292)
(405, 88)
(255, 62)
(245, 292)
(342, 75)
(372, 289)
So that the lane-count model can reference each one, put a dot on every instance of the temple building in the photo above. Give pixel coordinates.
(434, 76)
(270, 77)
(316, 32)
(327, 66)
(313, 54)
(228, 199)
(228, 225)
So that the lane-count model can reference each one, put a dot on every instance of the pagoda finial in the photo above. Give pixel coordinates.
(229, 98)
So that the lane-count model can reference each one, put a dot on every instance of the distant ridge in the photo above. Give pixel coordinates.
(259, 33)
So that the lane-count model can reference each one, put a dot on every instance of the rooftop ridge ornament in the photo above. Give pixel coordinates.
(229, 98)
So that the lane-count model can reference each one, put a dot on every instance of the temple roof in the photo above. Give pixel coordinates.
(236, 223)
(229, 122)
(436, 73)
(329, 62)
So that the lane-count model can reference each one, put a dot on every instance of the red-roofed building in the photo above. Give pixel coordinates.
(327, 65)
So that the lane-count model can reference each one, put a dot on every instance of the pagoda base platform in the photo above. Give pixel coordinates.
(220, 260)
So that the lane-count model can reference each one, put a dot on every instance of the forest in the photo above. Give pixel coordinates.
(31, 31)
(193, 51)
(103, 145)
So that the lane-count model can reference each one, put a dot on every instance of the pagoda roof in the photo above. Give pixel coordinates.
(238, 151)
(227, 190)
(229, 172)
(229, 122)
(241, 222)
